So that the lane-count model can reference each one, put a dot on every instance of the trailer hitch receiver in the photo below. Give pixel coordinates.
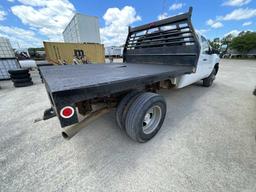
(49, 113)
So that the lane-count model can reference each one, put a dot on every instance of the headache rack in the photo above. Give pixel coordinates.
(170, 41)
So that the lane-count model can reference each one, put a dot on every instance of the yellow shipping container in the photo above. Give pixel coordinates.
(58, 52)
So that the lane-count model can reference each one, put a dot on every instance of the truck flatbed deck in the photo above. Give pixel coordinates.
(153, 55)
(72, 77)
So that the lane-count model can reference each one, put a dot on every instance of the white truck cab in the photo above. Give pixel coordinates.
(207, 66)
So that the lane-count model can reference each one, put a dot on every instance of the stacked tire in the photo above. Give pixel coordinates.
(20, 77)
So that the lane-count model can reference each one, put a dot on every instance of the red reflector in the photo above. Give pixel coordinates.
(67, 112)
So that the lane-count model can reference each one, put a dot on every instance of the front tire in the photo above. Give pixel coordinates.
(207, 82)
(145, 117)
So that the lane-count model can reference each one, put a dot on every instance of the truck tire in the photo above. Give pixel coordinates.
(28, 79)
(24, 84)
(207, 82)
(18, 71)
(121, 107)
(20, 76)
(145, 117)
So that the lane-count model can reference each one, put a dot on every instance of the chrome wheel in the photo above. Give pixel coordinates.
(151, 119)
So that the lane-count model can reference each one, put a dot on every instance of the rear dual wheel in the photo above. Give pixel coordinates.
(123, 106)
(145, 116)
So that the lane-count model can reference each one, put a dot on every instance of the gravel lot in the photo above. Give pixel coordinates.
(207, 142)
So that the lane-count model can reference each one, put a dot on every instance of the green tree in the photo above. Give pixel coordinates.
(226, 41)
(244, 42)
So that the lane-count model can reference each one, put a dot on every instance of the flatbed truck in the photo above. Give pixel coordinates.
(162, 54)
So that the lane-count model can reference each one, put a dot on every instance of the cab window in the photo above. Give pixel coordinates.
(205, 45)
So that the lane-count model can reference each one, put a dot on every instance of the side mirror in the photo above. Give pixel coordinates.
(212, 51)
(209, 52)
(215, 51)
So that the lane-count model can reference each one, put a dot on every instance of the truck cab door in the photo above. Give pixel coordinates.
(204, 66)
(206, 58)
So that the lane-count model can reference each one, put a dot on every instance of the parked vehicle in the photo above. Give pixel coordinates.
(162, 54)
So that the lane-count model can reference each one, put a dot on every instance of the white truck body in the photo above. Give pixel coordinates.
(205, 66)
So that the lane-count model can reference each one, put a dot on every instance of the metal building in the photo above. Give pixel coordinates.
(7, 58)
(82, 29)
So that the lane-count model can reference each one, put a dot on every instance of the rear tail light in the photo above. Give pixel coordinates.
(67, 112)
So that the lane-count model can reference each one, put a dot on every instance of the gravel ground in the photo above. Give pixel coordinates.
(207, 142)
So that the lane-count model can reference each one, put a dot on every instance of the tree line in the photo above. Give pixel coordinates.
(243, 43)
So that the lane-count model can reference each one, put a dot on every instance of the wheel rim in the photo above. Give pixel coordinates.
(151, 119)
